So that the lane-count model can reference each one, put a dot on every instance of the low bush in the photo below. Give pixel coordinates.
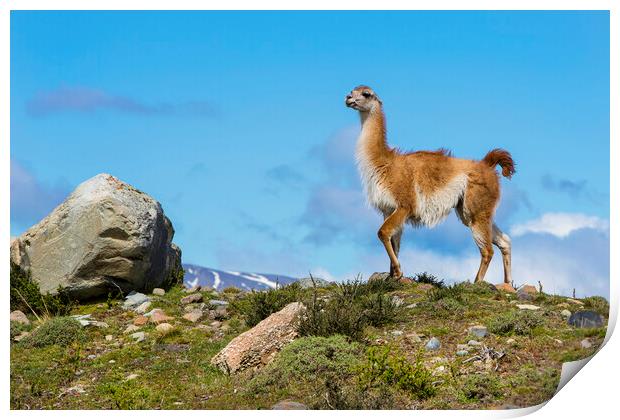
(258, 305)
(515, 322)
(455, 292)
(347, 310)
(429, 279)
(17, 328)
(386, 367)
(598, 304)
(480, 388)
(59, 330)
(27, 297)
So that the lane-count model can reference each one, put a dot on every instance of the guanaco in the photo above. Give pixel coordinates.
(422, 188)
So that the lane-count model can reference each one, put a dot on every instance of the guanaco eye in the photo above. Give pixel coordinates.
(366, 94)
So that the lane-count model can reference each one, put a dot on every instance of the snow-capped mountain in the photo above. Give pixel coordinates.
(220, 279)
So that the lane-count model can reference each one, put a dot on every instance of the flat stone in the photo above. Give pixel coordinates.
(462, 353)
(20, 317)
(138, 336)
(586, 319)
(135, 299)
(259, 345)
(479, 331)
(289, 405)
(528, 307)
(474, 343)
(193, 316)
(157, 317)
(131, 376)
(143, 307)
(131, 329)
(140, 320)
(575, 302)
(159, 292)
(215, 302)
(432, 344)
(196, 297)
(586, 344)
(397, 333)
(21, 336)
(164, 327)
(505, 287)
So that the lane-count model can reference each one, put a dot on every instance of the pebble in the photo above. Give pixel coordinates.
(193, 316)
(159, 292)
(164, 328)
(131, 329)
(397, 333)
(143, 307)
(134, 299)
(193, 289)
(566, 313)
(138, 336)
(433, 344)
(196, 297)
(474, 343)
(131, 376)
(20, 317)
(586, 344)
(413, 338)
(215, 302)
(160, 316)
(462, 353)
(511, 341)
(529, 307)
(479, 331)
(140, 320)
(109, 338)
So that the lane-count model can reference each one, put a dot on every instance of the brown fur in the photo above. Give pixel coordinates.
(398, 181)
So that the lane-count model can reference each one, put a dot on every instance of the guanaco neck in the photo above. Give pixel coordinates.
(372, 145)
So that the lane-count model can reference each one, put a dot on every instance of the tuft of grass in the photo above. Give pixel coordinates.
(17, 328)
(429, 279)
(385, 366)
(27, 297)
(61, 331)
(456, 292)
(515, 322)
(256, 306)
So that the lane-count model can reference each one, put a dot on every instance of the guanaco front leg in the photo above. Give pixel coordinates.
(392, 224)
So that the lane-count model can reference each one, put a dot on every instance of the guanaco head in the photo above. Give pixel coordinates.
(363, 99)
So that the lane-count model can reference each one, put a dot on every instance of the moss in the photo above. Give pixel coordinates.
(59, 330)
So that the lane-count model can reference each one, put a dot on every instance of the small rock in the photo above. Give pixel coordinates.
(216, 324)
(528, 307)
(214, 302)
(196, 297)
(414, 337)
(98, 324)
(21, 336)
(164, 328)
(505, 287)
(159, 292)
(20, 317)
(524, 297)
(143, 307)
(131, 376)
(557, 341)
(586, 344)
(131, 329)
(397, 333)
(193, 316)
(398, 301)
(586, 319)
(529, 289)
(474, 343)
(138, 336)
(411, 306)
(462, 353)
(112, 361)
(109, 337)
(575, 302)
(159, 316)
(135, 299)
(463, 347)
(193, 289)
(74, 390)
(433, 344)
(511, 341)
(140, 320)
(91, 356)
(566, 313)
(289, 405)
(479, 331)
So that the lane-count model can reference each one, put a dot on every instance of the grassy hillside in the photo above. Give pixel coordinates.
(361, 347)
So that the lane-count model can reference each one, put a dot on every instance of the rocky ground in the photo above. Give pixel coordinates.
(436, 347)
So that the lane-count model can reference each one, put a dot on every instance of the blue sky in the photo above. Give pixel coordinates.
(235, 122)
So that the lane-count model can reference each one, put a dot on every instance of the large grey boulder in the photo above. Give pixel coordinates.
(106, 235)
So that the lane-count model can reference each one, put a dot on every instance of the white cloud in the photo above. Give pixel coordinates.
(560, 224)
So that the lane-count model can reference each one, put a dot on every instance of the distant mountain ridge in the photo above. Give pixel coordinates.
(196, 275)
